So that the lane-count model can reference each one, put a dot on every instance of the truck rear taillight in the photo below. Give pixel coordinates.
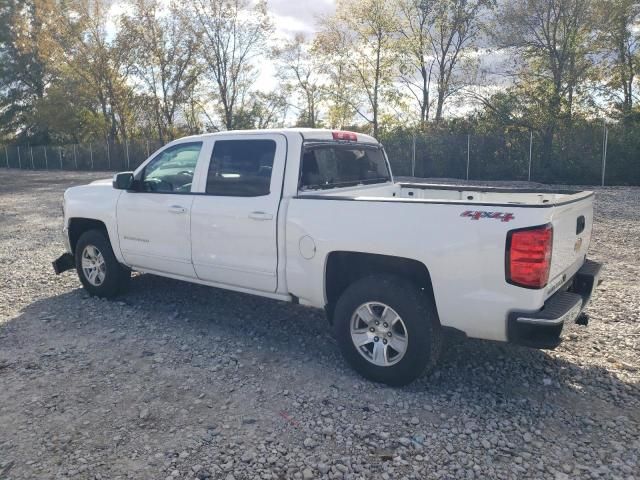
(529, 256)
(344, 135)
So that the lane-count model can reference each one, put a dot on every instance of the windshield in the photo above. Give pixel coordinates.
(329, 166)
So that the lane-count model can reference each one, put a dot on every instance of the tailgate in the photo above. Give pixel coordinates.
(572, 224)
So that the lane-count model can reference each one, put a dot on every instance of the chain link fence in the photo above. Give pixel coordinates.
(594, 155)
(107, 156)
(589, 156)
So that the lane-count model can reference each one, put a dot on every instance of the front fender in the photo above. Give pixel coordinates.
(94, 202)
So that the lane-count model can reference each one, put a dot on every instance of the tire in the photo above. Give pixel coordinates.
(101, 274)
(387, 297)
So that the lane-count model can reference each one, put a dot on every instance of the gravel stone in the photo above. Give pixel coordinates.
(174, 380)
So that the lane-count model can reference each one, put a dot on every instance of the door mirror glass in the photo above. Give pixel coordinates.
(123, 181)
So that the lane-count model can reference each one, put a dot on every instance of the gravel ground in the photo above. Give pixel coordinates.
(181, 381)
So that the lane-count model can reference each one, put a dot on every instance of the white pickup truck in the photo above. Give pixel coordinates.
(315, 217)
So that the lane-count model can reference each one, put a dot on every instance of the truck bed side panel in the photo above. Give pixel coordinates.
(465, 256)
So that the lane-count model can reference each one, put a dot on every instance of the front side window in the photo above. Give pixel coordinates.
(172, 169)
(241, 168)
(331, 166)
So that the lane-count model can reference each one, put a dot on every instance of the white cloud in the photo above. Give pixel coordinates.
(298, 15)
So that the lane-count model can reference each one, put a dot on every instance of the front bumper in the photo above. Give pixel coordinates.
(542, 329)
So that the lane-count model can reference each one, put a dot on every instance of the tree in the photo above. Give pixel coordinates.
(553, 40)
(336, 90)
(300, 72)
(262, 110)
(456, 26)
(435, 39)
(415, 46)
(24, 70)
(620, 39)
(360, 35)
(232, 35)
(163, 56)
(88, 59)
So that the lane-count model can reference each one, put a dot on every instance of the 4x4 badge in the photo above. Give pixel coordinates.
(475, 215)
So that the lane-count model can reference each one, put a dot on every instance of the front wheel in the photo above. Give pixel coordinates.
(98, 269)
(387, 329)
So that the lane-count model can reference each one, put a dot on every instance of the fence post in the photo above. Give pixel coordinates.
(6, 154)
(468, 153)
(413, 156)
(91, 154)
(147, 148)
(605, 141)
(19, 159)
(108, 155)
(33, 167)
(75, 157)
(530, 151)
(126, 146)
(60, 155)
(46, 160)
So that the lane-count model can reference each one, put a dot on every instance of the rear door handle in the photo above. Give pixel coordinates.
(260, 216)
(177, 209)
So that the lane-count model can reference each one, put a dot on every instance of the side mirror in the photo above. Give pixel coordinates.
(123, 181)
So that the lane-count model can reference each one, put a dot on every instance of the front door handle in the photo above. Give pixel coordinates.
(177, 209)
(260, 216)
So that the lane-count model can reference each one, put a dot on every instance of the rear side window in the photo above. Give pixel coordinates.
(331, 166)
(241, 168)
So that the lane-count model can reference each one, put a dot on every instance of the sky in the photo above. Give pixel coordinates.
(291, 17)
(301, 16)
(294, 16)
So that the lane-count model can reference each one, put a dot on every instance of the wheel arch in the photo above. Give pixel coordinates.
(342, 268)
(78, 225)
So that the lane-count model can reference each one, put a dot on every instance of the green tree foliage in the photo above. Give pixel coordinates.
(360, 37)
(475, 79)
(436, 37)
(262, 110)
(553, 40)
(24, 69)
(232, 35)
(92, 70)
(300, 72)
(162, 57)
(618, 34)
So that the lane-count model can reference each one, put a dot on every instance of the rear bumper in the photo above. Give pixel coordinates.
(542, 329)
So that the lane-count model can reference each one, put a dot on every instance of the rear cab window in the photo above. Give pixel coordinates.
(334, 165)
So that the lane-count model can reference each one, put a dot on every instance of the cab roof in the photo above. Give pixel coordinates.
(319, 134)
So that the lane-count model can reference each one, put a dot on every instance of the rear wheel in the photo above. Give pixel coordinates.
(98, 269)
(387, 329)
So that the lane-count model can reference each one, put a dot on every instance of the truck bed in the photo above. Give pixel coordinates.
(460, 232)
(466, 194)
